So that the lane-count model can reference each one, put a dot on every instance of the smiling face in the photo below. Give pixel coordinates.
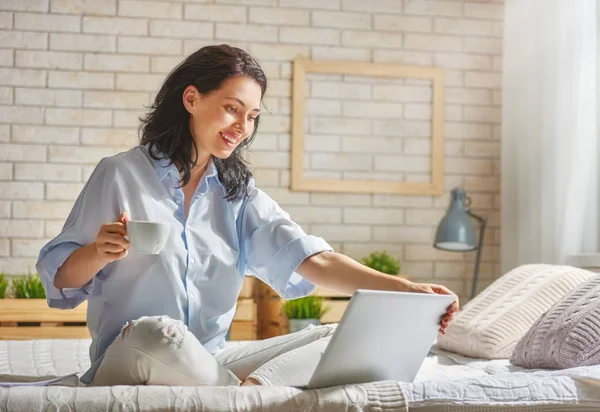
(223, 118)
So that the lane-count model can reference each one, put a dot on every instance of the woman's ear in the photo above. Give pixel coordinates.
(190, 98)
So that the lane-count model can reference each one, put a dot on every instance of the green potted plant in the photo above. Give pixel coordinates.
(28, 287)
(382, 262)
(27, 315)
(3, 285)
(304, 311)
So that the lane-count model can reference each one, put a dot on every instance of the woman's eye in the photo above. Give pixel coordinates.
(252, 119)
(230, 109)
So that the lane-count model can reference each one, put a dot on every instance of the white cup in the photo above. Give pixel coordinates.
(148, 238)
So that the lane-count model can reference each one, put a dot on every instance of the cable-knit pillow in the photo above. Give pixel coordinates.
(492, 323)
(567, 335)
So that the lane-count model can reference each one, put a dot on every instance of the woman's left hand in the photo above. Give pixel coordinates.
(442, 290)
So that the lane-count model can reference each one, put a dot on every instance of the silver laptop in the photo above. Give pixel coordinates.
(381, 336)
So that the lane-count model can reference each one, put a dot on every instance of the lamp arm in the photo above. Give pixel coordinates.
(482, 224)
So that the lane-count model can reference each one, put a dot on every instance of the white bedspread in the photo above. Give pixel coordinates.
(453, 380)
(24, 360)
(446, 382)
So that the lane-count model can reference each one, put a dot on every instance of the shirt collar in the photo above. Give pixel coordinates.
(164, 166)
(211, 171)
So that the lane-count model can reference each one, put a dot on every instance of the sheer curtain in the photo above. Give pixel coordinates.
(549, 131)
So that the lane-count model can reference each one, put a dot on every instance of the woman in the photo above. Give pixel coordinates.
(188, 171)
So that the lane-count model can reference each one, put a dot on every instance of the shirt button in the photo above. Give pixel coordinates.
(178, 201)
(192, 295)
(193, 260)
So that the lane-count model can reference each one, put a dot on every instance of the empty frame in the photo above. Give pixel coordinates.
(431, 153)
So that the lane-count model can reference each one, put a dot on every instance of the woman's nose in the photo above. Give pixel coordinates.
(241, 127)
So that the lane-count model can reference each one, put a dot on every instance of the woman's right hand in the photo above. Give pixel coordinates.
(110, 242)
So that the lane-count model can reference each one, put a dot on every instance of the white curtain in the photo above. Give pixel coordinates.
(549, 131)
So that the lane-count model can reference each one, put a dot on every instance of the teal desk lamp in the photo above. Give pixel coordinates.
(456, 232)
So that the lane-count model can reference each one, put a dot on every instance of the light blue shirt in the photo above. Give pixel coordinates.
(198, 275)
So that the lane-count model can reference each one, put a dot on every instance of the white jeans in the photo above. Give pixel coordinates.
(158, 350)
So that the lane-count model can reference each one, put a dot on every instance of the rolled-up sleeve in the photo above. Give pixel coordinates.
(94, 206)
(274, 246)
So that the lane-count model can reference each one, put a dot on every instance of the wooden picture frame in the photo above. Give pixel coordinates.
(299, 182)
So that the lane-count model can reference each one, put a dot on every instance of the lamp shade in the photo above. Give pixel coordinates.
(456, 231)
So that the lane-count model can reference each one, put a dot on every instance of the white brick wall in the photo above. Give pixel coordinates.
(76, 74)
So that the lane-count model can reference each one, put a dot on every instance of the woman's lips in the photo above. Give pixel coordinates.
(229, 140)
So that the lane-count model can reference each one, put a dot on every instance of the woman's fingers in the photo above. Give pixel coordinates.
(115, 239)
(118, 255)
(451, 310)
(443, 290)
(123, 218)
(454, 306)
(111, 248)
(445, 321)
(111, 243)
(115, 227)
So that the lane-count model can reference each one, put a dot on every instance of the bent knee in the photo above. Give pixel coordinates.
(154, 332)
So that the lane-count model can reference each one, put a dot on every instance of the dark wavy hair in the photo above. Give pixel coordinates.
(166, 126)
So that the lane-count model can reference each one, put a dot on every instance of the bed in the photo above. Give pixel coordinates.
(447, 382)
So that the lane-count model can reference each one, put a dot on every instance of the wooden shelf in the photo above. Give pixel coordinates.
(37, 310)
(62, 324)
(326, 293)
(335, 312)
(43, 332)
(273, 322)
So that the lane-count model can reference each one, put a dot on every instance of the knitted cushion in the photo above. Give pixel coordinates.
(567, 335)
(493, 322)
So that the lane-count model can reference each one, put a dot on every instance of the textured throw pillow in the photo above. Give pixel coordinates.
(492, 323)
(567, 335)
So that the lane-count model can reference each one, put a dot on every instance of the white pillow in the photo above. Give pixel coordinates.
(492, 323)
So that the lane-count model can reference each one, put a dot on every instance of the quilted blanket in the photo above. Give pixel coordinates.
(446, 382)
(40, 359)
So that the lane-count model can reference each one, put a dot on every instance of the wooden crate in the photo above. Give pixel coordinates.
(33, 319)
(272, 320)
(244, 322)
